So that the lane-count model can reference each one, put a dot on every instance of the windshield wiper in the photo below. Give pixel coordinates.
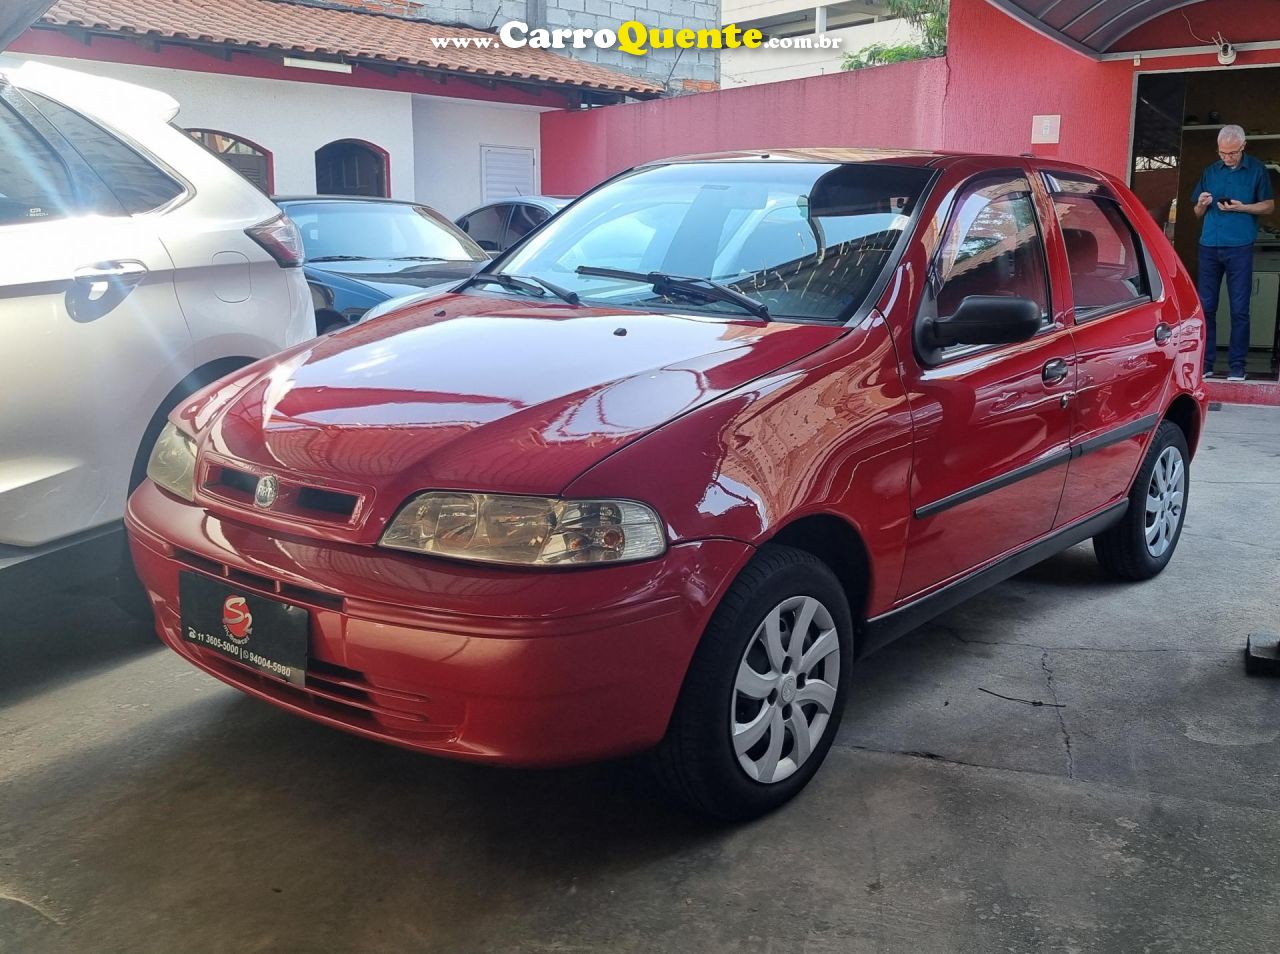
(530, 284)
(419, 258)
(339, 258)
(703, 288)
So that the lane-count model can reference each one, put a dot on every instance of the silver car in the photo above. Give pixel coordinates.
(135, 267)
(496, 226)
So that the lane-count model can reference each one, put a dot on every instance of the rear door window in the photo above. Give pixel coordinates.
(1107, 266)
(524, 219)
(135, 181)
(34, 184)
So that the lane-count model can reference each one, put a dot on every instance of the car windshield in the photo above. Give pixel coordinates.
(338, 231)
(806, 239)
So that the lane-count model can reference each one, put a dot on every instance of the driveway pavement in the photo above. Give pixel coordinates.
(1063, 764)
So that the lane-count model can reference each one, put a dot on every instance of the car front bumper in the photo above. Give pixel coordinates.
(511, 666)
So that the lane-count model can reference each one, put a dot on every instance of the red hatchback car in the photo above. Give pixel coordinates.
(658, 476)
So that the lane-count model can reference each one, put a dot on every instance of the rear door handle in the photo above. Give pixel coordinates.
(1163, 333)
(97, 277)
(1055, 371)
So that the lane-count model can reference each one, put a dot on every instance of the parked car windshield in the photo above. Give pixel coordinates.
(806, 239)
(386, 230)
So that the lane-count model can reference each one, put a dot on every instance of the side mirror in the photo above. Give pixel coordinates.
(986, 319)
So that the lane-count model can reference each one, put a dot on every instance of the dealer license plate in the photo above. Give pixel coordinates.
(261, 633)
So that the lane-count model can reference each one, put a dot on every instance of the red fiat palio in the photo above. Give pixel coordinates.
(659, 476)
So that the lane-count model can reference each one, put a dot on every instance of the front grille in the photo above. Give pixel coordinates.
(294, 498)
(327, 501)
(261, 584)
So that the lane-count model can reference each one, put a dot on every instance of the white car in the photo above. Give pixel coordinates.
(135, 267)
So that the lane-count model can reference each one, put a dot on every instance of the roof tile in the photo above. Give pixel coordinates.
(297, 27)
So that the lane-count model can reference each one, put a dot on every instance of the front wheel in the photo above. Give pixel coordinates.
(1142, 543)
(763, 697)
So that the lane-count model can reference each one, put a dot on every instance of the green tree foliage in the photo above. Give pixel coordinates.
(927, 17)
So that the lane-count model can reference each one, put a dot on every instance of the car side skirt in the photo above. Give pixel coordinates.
(887, 627)
(81, 558)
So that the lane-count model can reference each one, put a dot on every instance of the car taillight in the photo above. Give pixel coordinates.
(281, 238)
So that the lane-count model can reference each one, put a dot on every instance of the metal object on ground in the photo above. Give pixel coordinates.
(1262, 654)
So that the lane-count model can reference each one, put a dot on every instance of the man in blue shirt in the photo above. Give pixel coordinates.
(1230, 196)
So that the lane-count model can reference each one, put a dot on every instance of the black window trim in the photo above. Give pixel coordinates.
(1089, 315)
(532, 207)
(931, 286)
(506, 223)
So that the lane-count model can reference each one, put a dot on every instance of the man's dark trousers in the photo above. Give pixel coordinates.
(1236, 262)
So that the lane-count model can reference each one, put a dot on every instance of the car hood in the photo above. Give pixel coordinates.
(394, 279)
(480, 392)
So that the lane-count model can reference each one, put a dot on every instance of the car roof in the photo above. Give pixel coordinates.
(846, 154)
(345, 198)
(551, 203)
(99, 96)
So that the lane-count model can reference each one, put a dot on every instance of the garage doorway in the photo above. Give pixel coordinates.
(1177, 117)
(351, 167)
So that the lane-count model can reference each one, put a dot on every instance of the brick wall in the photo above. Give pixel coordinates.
(683, 71)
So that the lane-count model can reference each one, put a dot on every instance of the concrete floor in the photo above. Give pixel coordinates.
(144, 807)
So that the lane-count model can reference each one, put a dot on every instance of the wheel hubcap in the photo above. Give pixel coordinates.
(1165, 498)
(785, 689)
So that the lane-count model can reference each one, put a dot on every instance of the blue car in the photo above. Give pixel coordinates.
(361, 252)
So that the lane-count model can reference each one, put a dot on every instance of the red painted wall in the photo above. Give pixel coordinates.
(841, 109)
(997, 75)
(1003, 73)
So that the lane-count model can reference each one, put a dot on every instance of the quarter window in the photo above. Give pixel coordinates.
(1106, 264)
(993, 247)
(33, 182)
(138, 184)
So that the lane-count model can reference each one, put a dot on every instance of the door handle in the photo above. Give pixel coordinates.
(1163, 333)
(98, 277)
(1055, 371)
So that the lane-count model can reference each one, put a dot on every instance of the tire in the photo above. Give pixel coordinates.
(1142, 543)
(793, 691)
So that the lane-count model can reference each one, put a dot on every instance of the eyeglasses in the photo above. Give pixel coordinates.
(1228, 153)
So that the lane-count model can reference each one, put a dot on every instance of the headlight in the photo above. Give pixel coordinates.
(173, 463)
(533, 531)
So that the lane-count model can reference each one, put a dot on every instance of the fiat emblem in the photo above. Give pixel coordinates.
(267, 491)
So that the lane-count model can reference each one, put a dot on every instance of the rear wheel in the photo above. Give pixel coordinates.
(764, 694)
(1142, 543)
